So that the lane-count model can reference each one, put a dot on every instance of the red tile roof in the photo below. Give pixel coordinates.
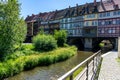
(87, 8)
(108, 5)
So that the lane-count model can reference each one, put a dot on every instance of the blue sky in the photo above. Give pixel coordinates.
(29, 7)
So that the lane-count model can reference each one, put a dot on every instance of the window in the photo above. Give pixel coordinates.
(91, 16)
(99, 30)
(109, 22)
(104, 14)
(114, 21)
(113, 31)
(99, 23)
(63, 26)
(108, 13)
(109, 30)
(95, 23)
(87, 31)
(118, 21)
(118, 12)
(70, 25)
(65, 20)
(79, 31)
(87, 23)
(92, 23)
(100, 15)
(102, 31)
(103, 22)
(70, 32)
(115, 13)
(81, 24)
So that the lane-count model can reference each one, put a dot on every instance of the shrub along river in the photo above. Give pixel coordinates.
(52, 72)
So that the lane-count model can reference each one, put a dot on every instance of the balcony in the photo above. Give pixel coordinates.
(90, 31)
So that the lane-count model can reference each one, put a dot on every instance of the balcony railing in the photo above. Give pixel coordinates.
(89, 72)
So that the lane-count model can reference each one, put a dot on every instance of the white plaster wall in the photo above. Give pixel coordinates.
(88, 43)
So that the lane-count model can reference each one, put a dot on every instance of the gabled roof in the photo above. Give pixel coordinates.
(88, 8)
(60, 14)
(28, 18)
(109, 5)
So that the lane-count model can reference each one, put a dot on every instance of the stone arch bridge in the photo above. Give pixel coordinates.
(91, 43)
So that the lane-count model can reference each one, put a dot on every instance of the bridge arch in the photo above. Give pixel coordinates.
(78, 42)
(99, 40)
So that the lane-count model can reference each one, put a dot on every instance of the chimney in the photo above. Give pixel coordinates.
(56, 10)
(77, 9)
(77, 5)
(69, 7)
(28, 16)
(33, 15)
(95, 3)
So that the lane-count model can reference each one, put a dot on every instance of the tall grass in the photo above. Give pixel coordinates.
(15, 64)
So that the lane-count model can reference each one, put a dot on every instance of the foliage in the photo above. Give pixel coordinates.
(44, 42)
(14, 65)
(12, 27)
(101, 45)
(41, 31)
(118, 59)
(21, 32)
(27, 46)
(61, 37)
(66, 45)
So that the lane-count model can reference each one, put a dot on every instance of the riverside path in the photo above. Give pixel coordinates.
(110, 67)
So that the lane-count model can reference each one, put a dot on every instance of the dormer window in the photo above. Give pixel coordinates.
(116, 6)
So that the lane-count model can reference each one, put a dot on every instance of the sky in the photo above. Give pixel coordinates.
(29, 7)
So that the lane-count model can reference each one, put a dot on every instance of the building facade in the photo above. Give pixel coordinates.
(109, 19)
(89, 21)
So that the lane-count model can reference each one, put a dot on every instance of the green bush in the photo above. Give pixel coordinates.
(66, 45)
(44, 42)
(27, 46)
(14, 66)
(61, 37)
(101, 45)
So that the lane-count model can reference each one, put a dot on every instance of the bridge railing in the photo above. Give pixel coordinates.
(89, 72)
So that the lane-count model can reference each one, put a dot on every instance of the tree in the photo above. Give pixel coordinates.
(12, 27)
(61, 37)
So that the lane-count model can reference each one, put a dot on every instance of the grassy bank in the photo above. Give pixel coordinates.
(118, 59)
(22, 60)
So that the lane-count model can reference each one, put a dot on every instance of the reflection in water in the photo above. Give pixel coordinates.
(53, 71)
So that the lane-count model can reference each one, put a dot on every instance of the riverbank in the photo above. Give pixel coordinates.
(20, 61)
(53, 71)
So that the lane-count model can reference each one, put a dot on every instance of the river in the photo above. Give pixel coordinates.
(52, 72)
